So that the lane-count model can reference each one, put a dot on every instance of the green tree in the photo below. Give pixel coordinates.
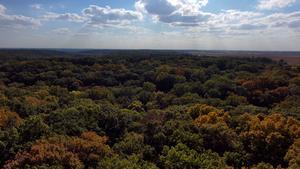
(33, 128)
(182, 157)
(128, 162)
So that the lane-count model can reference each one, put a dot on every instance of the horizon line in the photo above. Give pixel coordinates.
(147, 49)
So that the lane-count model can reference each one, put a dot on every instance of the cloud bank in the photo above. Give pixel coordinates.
(175, 12)
(271, 4)
(106, 16)
(16, 21)
(161, 19)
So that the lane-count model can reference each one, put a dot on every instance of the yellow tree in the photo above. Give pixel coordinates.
(67, 152)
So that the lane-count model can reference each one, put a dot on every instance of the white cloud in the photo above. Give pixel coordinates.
(183, 20)
(72, 17)
(156, 7)
(62, 31)
(36, 6)
(233, 16)
(232, 23)
(285, 20)
(106, 16)
(229, 22)
(2, 9)
(249, 27)
(175, 12)
(271, 4)
(186, 15)
(294, 24)
(16, 21)
(189, 14)
(189, 7)
(97, 16)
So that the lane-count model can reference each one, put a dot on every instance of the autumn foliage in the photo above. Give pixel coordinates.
(69, 152)
(271, 138)
(147, 110)
(8, 118)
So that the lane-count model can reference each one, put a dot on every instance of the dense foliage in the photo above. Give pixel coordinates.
(149, 112)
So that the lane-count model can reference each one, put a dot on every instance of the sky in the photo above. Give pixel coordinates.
(151, 24)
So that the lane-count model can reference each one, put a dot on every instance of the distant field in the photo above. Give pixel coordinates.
(290, 57)
(289, 60)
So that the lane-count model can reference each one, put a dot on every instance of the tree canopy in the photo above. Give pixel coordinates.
(149, 112)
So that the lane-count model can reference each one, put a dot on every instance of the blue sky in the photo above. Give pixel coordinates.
(151, 24)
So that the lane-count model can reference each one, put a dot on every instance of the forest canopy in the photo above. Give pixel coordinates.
(157, 111)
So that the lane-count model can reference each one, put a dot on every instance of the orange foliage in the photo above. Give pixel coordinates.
(215, 125)
(212, 118)
(179, 71)
(260, 83)
(274, 123)
(269, 137)
(6, 116)
(280, 92)
(69, 152)
(209, 115)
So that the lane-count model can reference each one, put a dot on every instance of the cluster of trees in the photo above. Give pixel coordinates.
(169, 112)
